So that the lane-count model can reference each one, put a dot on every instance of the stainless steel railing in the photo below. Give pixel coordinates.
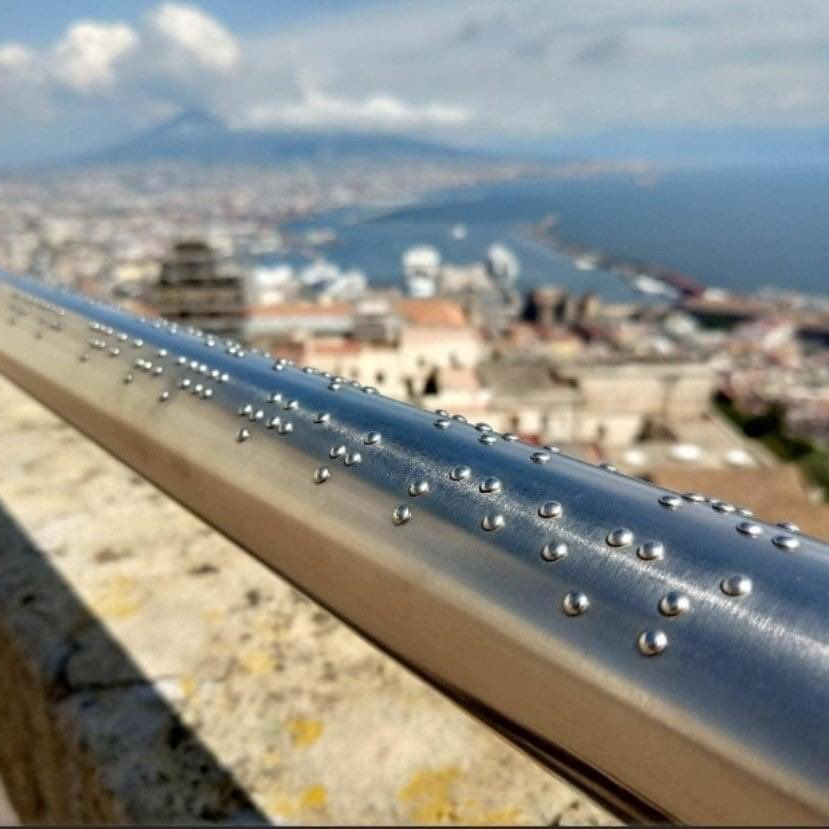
(668, 654)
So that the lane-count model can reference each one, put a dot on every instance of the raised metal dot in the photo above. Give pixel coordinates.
(194, 365)
(337, 451)
(246, 409)
(165, 395)
(554, 551)
(459, 417)
(490, 485)
(674, 604)
(352, 459)
(181, 361)
(273, 422)
(620, 537)
(608, 467)
(418, 488)
(493, 521)
(401, 515)
(369, 390)
(259, 414)
(158, 371)
(442, 423)
(745, 512)
(441, 413)
(291, 405)
(460, 473)
(199, 388)
(322, 417)
(242, 435)
(185, 383)
(540, 457)
(224, 377)
(483, 427)
(373, 439)
(736, 585)
(487, 439)
(309, 370)
(786, 542)
(215, 374)
(575, 603)
(550, 509)
(723, 506)
(671, 501)
(652, 642)
(321, 474)
(128, 378)
(114, 352)
(162, 352)
(138, 343)
(788, 526)
(285, 428)
(510, 437)
(334, 386)
(750, 528)
(208, 392)
(651, 551)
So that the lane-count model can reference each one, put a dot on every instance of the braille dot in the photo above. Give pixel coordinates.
(163, 396)
(540, 457)
(736, 585)
(114, 352)
(352, 458)
(285, 428)
(207, 393)
(554, 551)
(242, 435)
(493, 521)
(443, 423)
(224, 377)
(334, 386)
(575, 603)
(674, 604)
(460, 473)
(185, 383)
(441, 413)
(369, 390)
(309, 370)
(788, 526)
(510, 437)
(745, 512)
(273, 422)
(786, 542)
(373, 439)
(259, 414)
(652, 642)
(651, 551)
(487, 439)
(321, 474)
(401, 515)
(459, 417)
(620, 537)
(247, 409)
(608, 467)
(553, 448)
(723, 506)
(322, 417)
(671, 501)
(291, 405)
(483, 427)
(490, 485)
(550, 509)
(158, 371)
(750, 528)
(418, 488)
(337, 451)
(128, 378)
(181, 361)
(199, 388)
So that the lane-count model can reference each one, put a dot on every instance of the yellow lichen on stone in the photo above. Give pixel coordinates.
(314, 797)
(430, 794)
(257, 661)
(118, 599)
(188, 686)
(304, 732)
(214, 614)
(279, 804)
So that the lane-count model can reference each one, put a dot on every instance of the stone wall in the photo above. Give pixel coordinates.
(151, 672)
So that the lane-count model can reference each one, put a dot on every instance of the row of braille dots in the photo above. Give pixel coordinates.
(675, 603)
(335, 382)
(22, 305)
(488, 436)
(279, 423)
(750, 529)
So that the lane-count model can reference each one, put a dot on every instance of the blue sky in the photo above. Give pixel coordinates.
(76, 74)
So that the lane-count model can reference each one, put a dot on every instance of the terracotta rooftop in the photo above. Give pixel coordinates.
(438, 313)
(299, 309)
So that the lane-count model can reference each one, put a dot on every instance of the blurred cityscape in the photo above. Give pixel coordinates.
(693, 387)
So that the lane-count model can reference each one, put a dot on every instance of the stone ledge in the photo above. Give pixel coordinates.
(152, 672)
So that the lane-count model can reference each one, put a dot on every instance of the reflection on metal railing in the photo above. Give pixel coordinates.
(666, 653)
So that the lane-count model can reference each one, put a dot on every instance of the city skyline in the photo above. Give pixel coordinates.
(529, 75)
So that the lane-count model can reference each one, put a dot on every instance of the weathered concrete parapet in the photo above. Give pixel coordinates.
(151, 672)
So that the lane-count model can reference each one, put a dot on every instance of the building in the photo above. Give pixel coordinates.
(196, 287)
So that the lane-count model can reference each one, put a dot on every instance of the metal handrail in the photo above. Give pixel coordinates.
(668, 654)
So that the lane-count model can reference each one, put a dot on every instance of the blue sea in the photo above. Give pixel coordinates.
(741, 229)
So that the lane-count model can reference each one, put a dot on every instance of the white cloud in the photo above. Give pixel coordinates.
(318, 109)
(16, 59)
(198, 35)
(84, 59)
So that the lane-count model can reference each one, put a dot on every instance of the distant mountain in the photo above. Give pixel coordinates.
(199, 136)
